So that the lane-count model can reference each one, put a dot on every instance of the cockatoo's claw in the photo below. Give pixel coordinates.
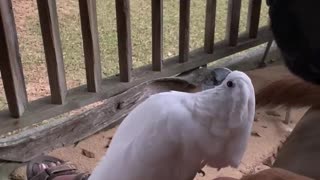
(202, 172)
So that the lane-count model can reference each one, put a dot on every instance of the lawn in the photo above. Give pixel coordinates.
(68, 10)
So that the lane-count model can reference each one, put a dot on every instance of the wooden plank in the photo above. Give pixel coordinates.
(106, 114)
(40, 110)
(157, 34)
(184, 28)
(10, 64)
(88, 14)
(253, 17)
(233, 21)
(53, 51)
(124, 39)
(210, 26)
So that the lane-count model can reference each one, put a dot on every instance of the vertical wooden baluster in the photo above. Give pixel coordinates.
(10, 61)
(53, 51)
(253, 18)
(184, 30)
(88, 14)
(157, 34)
(233, 22)
(210, 26)
(124, 39)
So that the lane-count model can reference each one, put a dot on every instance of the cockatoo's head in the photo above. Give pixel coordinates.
(232, 103)
(216, 77)
(240, 95)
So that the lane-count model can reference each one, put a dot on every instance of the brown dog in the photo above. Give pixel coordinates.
(301, 151)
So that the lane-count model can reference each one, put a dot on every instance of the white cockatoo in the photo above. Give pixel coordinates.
(172, 135)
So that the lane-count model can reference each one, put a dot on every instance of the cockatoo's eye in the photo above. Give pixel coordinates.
(230, 84)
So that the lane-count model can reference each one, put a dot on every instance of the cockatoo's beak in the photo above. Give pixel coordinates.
(218, 75)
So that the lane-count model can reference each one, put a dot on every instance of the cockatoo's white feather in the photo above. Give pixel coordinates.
(170, 134)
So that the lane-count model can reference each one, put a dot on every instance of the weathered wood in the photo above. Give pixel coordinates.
(10, 62)
(124, 39)
(157, 34)
(53, 51)
(107, 113)
(210, 26)
(89, 26)
(40, 110)
(110, 112)
(184, 28)
(232, 31)
(253, 17)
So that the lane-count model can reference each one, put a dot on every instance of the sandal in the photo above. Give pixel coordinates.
(49, 168)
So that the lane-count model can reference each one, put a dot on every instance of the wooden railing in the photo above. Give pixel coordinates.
(23, 113)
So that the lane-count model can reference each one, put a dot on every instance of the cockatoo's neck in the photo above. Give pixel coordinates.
(209, 105)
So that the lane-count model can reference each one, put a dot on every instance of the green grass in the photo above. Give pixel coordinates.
(68, 10)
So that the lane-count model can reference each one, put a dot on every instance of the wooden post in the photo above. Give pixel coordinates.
(184, 30)
(210, 26)
(157, 34)
(53, 51)
(253, 18)
(124, 39)
(89, 27)
(10, 62)
(233, 22)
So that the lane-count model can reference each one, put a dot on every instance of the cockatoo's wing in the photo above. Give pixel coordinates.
(149, 137)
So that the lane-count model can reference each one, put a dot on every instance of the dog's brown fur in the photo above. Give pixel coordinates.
(290, 91)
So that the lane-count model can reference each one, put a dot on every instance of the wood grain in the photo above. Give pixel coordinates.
(124, 39)
(89, 26)
(210, 26)
(10, 62)
(157, 34)
(52, 47)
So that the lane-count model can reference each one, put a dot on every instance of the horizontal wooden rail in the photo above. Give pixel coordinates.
(52, 47)
(10, 62)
